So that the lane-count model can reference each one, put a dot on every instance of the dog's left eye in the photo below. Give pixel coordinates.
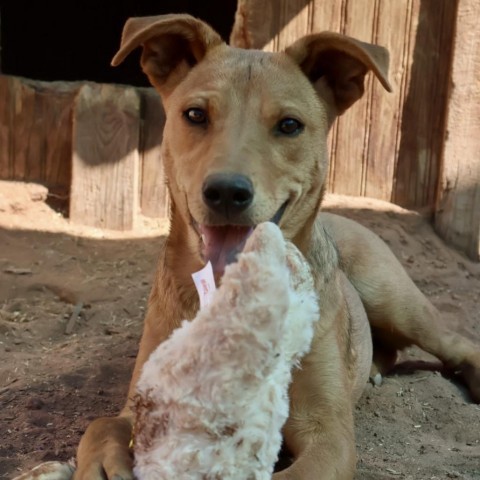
(289, 126)
(197, 116)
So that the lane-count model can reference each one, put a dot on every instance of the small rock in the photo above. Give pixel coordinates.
(377, 379)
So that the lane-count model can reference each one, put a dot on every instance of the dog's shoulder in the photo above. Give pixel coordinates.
(323, 253)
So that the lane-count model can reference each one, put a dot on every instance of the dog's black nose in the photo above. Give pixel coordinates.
(227, 194)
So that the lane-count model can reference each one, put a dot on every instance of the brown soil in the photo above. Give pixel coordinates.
(60, 370)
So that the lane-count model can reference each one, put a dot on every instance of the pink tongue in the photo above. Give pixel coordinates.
(222, 244)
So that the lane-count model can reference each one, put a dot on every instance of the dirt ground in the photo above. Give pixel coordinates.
(72, 301)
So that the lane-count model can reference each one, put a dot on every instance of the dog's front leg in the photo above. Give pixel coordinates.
(320, 431)
(104, 452)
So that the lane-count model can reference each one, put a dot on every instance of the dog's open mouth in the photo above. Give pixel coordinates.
(222, 244)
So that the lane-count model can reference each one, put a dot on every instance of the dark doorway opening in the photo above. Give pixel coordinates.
(75, 40)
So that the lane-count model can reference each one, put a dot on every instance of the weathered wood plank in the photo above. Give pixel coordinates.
(390, 30)
(24, 148)
(348, 158)
(296, 17)
(154, 195)
(458, 209)
(5, 127)
(423, 110)
(54, 106)
(105, 166)
(274, 25)
(36, 130)
(260, 23)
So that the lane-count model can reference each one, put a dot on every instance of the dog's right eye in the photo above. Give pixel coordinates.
(289, 127)
(198, 116)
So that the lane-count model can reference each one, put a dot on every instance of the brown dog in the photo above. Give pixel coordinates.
(246, 142)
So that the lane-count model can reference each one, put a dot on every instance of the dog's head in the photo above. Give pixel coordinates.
(245, 139)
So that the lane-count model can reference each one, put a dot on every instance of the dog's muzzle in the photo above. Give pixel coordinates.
(222, 243)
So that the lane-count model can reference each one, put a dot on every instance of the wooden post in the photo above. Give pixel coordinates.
(5, 127)
(105, 166)
(154, 195)
(423, 102)
(458, 208)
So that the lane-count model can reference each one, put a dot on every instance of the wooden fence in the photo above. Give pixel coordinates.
(98, 143)
(417, 147)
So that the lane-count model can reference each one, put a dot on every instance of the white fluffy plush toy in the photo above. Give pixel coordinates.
(213, 398)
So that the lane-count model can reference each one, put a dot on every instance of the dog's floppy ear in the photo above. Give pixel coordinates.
(339, 63)
(172, 45)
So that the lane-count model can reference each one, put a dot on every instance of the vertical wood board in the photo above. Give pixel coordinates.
(6, 130)
(55, 107)
(352, 128)
(36, 130)
(392, 19)
(105, 164)
(424, 103)
(259, 22)
(458, 209)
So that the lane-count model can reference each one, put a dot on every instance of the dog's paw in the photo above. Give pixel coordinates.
(49, 471)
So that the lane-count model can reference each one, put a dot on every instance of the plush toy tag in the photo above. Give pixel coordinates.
(205, 284)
